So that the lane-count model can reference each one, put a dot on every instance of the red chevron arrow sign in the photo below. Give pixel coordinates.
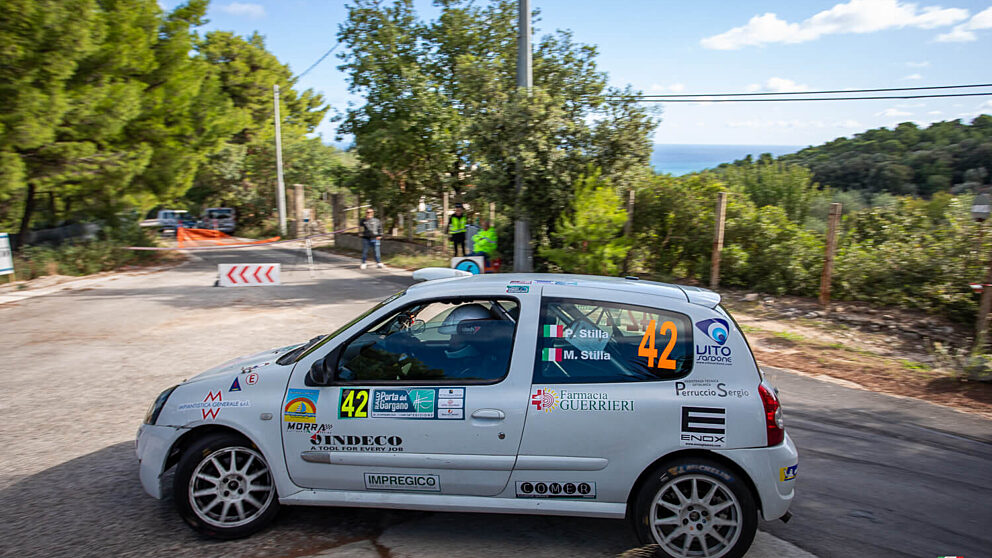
(248, 275)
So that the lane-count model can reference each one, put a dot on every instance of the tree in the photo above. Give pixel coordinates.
(591, 235)
(107, 108)
(443, 111)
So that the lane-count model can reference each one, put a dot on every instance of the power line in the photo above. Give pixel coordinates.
(677, 96)
(793, 99)
(319, 60)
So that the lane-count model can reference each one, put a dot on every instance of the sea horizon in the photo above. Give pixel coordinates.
(684, 158)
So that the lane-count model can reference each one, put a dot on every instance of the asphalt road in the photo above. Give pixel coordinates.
(885, 476)
(878, 475)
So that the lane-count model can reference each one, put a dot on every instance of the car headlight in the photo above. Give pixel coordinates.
(156, 408)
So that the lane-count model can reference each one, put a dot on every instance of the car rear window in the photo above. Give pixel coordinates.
(583, 341)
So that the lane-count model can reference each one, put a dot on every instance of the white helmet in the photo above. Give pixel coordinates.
(468, 312)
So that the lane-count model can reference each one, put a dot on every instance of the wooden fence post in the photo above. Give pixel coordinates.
(828, 261)
(721, 214)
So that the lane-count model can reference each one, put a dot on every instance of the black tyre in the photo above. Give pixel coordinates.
(224, 488)
(696, 507)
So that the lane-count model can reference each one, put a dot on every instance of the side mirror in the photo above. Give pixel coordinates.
(322, 371)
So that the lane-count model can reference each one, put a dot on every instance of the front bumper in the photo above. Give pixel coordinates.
(766, 466)
(153, 445)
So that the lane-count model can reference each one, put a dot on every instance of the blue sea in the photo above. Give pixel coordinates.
(679, 159)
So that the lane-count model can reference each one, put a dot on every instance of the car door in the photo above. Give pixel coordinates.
(599, 406)
(428, 397)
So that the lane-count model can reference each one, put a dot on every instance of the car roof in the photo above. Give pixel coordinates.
(685, 293)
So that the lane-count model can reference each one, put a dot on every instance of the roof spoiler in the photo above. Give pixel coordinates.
(433, 273)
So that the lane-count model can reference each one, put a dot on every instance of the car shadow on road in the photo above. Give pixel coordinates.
(94, 506)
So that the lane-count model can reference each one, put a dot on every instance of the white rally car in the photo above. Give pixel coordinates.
(531, 393)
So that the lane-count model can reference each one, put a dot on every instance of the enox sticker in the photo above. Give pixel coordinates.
(703, 427)
(551, 489)
(415, 483)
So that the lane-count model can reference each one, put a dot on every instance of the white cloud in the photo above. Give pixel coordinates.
(923, 64)
(891, 112)
(913, 76)
(965, 32)
(935, 112)
(776, 85)
(855, 16)
(245, 9)
(674, 88)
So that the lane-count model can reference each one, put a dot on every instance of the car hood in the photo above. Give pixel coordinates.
(256, 362)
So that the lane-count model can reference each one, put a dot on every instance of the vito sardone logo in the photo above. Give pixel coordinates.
(716, 330)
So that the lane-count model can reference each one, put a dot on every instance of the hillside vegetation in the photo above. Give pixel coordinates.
(907, 160)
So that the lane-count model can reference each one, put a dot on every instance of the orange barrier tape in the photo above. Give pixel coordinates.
(189, 238)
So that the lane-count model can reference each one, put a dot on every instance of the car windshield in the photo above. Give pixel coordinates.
(317, 342)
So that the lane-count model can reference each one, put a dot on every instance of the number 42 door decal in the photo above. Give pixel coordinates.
(647, 348)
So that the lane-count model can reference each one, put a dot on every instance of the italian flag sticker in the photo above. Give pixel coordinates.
(551, 355)
(554, 331)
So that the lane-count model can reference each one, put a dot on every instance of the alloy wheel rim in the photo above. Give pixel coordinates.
(696, 516)
(231, 487)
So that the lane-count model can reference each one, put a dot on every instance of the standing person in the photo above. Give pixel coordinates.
(456, 228)
(484, 242)
(371, 237)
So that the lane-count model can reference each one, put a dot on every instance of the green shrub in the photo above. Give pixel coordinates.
(590, 238)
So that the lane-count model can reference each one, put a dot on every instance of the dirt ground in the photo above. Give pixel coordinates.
(880, 349)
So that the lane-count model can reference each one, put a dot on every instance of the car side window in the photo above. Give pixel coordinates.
(582, 341)
(459, 341)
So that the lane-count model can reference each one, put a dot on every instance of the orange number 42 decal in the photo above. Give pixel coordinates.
(646, 349)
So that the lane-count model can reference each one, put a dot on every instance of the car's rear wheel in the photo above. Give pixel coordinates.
(224, 487)
(696, 507)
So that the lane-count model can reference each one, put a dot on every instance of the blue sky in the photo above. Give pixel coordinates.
(710, 46)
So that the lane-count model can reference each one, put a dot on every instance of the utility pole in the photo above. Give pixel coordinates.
(281, 191)
(522, 257)
(721, 215)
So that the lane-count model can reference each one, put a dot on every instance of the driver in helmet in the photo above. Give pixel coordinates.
(464, 325)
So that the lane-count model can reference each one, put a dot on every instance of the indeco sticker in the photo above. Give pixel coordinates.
(717, 330)
(301, 405)
(551, 489)
(417, 483)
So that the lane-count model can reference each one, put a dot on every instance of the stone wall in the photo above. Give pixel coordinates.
(389, 246)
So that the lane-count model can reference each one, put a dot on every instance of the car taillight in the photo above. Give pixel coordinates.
(774, 424)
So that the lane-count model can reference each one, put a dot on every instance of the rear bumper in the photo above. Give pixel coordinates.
(770, 470)
(153, 445)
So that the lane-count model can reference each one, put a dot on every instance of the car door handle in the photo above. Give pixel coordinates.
(491, 414)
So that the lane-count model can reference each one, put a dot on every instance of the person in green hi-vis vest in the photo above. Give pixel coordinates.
(456, 228)
(484, 242)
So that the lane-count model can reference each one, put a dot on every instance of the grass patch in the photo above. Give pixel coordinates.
(416, 261)
(790, 336)
(914, 365)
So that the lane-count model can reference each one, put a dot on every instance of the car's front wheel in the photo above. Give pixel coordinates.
(696, 507)
(224, 487)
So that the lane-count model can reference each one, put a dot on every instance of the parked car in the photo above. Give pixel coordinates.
(506, 393)
(219, 219)
(167, 220)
